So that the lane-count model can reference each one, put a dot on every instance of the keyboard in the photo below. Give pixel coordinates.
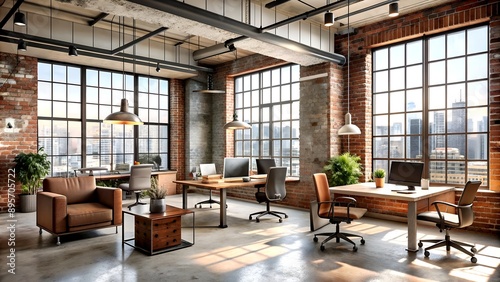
(258, 176)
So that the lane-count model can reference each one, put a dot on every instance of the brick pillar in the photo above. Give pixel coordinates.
(18, 106)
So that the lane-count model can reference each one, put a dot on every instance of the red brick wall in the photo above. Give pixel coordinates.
(18, 101)
(177, 132)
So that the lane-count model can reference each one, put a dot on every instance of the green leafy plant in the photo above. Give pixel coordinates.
(379, 173)
(30, 169)
(343, 169)
(156, 192)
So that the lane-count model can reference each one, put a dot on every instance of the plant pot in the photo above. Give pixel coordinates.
(379, 182)
(28, 203)
(157, 206)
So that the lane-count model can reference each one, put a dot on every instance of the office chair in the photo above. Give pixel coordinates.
(275, 191)
(263, 166)
(341, 209)
(207, 169)
(140, 179)
(463, 216)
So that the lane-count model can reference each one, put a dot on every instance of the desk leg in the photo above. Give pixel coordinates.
(412, 227)
(223, 214)
(185, 196)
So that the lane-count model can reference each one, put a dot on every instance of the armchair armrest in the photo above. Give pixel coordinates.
(112, 198)
(51, 212)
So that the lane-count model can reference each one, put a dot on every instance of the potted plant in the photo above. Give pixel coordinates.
(157, 196)
(379, 177)
(343, 169)
(30, 169)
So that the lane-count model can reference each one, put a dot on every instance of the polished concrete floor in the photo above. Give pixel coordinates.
(245, 251)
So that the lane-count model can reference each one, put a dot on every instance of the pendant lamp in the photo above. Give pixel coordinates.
(123, 116)
(210, 87)
(348, 128)
(236, 124)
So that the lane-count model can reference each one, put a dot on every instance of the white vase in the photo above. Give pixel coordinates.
(157, 205)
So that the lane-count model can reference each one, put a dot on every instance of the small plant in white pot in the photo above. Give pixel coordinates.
(157, 196)
(379, 176)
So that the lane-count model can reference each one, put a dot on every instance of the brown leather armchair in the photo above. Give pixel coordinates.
(76, 204)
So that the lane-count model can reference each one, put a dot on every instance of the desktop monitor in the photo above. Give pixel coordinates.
(207, 169)
(406, 173)
(263, 165)
(236, 167)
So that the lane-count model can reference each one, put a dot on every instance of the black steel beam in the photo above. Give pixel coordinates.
(98, 19)
(275, 3)
(362, 10)
(133, 42)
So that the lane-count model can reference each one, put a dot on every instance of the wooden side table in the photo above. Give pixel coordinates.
(156, 233)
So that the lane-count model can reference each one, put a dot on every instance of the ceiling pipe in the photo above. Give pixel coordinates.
(199, 15)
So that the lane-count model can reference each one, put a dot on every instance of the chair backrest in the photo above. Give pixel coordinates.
(76, 189)
(140, 177)
(275, 183)
(263, 165)
(207, 169)
(322, 190)
(466, 215)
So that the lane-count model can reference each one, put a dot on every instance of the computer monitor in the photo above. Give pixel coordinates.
(207, 169)
(236, 167)
(263, 165)
(406, 173)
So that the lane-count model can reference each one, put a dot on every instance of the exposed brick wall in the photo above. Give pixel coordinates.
(18, 101)
(177, 129)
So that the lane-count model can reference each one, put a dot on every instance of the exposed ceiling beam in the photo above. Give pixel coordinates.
(135, 41)
(10, 13)
(199, 15)
(97, 19)
(362, 10)
(275, 3)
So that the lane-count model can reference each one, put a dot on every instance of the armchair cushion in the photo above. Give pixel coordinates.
(88, 213)
(76, 189)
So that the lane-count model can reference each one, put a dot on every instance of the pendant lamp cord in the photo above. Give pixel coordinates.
(348, 56)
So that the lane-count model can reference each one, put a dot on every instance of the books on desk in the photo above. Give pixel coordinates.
(233, 179)
(212, 178)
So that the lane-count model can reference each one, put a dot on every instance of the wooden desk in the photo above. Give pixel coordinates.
(369, 190)
(165, 178)
(222, 187)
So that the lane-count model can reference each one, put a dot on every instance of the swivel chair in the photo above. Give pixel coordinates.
(461, 216)
(207, 169)
(275, 191)
(341, 209)
(140, 179)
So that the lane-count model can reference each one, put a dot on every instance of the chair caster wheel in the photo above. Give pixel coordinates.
(250, 218)
(40, 232)
(420, 244)
(280, 220)
(286, 216)
(257, 220)
(473, 259)
(427, 254)
(362, 241)
(322, 248)
(315, 239)
(210, 206)
(474, 250)
(354, 249)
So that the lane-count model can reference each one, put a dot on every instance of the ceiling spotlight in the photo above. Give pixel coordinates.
(393, 9)
(329, 18)
(21, 45)
(158, 67)
(72, 51)
(19, 19)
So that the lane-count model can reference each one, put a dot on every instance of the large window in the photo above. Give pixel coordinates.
(269, 101)
(430, 104)
(70, 115)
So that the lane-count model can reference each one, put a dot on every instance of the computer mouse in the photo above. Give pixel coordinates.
(246, 179)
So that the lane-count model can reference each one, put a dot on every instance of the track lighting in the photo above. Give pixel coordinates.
(158, 67)
(21, 45)
(72, 51)
(393, 9)
(19, 19)
(329, 18)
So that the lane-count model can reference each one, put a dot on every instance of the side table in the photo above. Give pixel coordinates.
(156, 233)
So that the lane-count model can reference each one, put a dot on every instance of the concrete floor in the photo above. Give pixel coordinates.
(246, 251)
